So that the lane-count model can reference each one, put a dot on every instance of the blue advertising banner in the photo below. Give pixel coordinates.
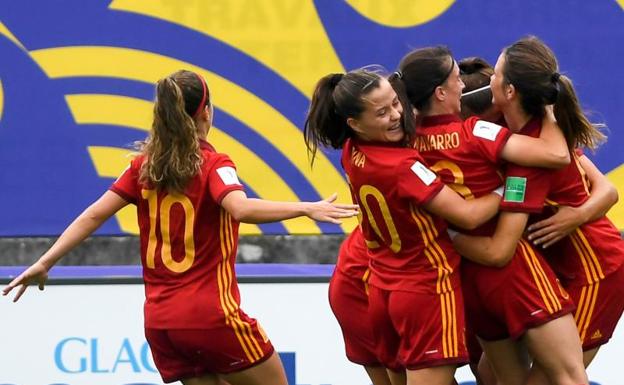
(77, 79)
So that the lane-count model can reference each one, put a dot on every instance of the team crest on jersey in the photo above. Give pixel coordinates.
(486, 130)
(515, 189)
(421, 171)
(228, 175)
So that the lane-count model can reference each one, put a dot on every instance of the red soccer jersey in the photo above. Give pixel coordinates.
(465, 154)
(353, 255)
(595, 249)
(188, 245)
(408, 247)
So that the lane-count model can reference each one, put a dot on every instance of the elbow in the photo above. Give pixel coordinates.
(469, 222)
(501, 260)
(239, 213)
(614, 196)
(562, 159)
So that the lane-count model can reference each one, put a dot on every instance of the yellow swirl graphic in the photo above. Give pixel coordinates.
(621, 2)
(231, 98)
(130, 112)
(286, 36)
(5, 32)
(616, 214)
(400, 13)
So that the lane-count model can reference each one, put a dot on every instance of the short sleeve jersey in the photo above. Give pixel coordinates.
(465, 154)
(409, 248)
(188, 245)
(590, 253)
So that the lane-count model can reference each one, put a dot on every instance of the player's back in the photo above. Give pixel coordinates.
(188, 246)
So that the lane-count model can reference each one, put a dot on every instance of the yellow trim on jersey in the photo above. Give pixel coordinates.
(437, 258)
(585, 308)
(591, 265)
(365, 279)
(433, 251)
(544, 287)
(242, 329)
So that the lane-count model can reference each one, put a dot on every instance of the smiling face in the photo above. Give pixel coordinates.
(381, 119)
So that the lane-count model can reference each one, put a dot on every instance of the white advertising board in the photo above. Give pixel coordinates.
(93, 335)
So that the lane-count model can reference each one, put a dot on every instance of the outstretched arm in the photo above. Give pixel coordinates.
(251, 210)
(549, 150)
(498, 249)
(467, 214)
(85, 224)
(603, 196)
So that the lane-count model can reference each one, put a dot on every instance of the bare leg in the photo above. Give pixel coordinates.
(270, 372)
(589, 355)
(485, 372)
(397, 378)
(538, 377)
(438, 375)
(556, 347)
(209, 379)
(508, 361)
(378, 375)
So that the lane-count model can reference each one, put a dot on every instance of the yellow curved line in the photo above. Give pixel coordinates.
(235, 100)
(286, 36)
(5, 32)
(136, 113)
(401, 13)
(616, 214)
(621, 2)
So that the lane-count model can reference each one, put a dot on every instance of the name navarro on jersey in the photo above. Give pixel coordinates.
(437, 141)
(357, 158)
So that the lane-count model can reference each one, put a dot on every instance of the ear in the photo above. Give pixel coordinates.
(510, 92)
(354, 124)
(440, 93)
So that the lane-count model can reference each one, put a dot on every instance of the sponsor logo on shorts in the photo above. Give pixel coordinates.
(597, 334)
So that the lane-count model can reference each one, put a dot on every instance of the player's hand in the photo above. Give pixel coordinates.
(37, 273)
(327, 211)
(556, 227)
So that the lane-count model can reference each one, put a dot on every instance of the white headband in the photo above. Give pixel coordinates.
(475, 91)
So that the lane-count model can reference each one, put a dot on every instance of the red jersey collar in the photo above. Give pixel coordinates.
(438, 120)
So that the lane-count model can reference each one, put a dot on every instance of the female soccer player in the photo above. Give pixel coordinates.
(189, 205)
(413, 265)
(519, 298)
(589, 260)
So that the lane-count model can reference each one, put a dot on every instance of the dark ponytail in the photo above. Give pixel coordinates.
(577, 129)
(323, 125)
(531, 67)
